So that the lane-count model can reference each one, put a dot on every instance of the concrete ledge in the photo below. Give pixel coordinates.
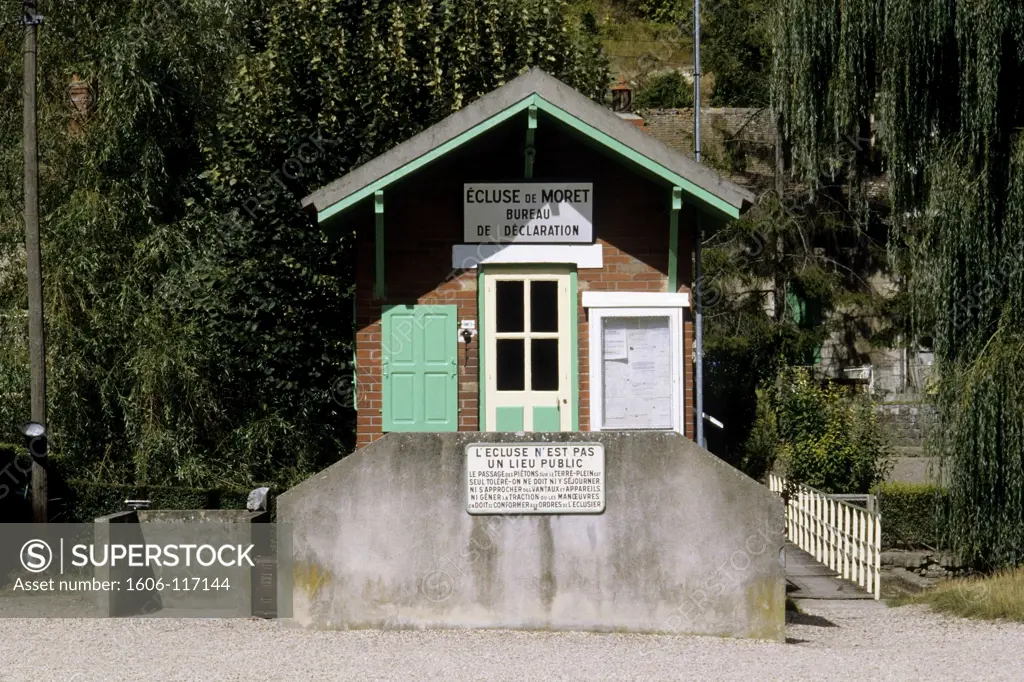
(687, 544)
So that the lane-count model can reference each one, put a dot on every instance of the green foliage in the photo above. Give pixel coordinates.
(15, 483)
(945, 77)
(812, 256)
(198, 321)
(910, 514)
(736, 49)
(998, 596)
(760, 450)
(664, 11)
(826, 437)
(667, 90)
(85, 501)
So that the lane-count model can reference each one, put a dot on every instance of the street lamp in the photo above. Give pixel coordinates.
(35, 439)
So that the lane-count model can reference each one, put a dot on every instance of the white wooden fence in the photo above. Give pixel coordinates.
(843, 536)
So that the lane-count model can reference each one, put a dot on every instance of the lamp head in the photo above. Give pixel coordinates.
(33, 430)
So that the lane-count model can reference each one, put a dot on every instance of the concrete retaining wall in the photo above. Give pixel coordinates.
(686, 544)
(216, 527)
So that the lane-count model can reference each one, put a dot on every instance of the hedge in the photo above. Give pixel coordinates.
(15, 483)
(910, 514)
(86, 500)
(75, 501)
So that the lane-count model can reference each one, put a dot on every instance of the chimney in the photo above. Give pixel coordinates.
(622, 96)
(638, 121)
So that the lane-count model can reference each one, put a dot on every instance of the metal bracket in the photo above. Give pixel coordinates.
(30, 19)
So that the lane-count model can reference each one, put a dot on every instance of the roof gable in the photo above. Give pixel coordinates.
(533, 89)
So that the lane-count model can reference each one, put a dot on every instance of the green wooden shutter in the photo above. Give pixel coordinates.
(420, 368)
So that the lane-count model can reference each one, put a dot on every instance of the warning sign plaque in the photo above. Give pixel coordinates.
(535, 478)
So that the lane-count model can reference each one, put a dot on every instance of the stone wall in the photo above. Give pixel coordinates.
(686, 544)
(907, 424)
(739, 138)
(926, 564)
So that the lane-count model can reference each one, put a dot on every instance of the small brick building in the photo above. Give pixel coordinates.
(525, 265)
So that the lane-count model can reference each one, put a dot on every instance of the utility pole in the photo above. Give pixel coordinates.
(37, 347)
(698, 322)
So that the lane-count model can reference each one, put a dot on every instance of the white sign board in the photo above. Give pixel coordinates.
(535, 478)
(529, 213)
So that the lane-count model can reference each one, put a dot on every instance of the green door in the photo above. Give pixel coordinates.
(420, 368)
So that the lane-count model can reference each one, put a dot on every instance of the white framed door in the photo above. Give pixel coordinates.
(528, 349)
(636, 369)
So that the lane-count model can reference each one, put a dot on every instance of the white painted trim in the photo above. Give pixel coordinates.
(630, 299)
(468, 256)
(529, 399)
(675, 317)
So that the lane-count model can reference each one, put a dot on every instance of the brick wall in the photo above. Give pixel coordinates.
(423, 220)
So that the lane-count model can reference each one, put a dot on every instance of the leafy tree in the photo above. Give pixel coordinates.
(662, 11)
(945, 77)
(736, 50)
(735, 44)
(667, 90)
(790, 274)
(198, 322)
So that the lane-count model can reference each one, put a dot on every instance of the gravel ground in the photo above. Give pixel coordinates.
(829, 641)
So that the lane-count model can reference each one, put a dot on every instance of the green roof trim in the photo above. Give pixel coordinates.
(422, 161)
(608, 141)
(534, 89)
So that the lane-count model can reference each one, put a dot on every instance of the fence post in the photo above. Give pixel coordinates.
(865, 575)
(803, 518)
(869, 554)
(815, 530)
(878, 556)
(791, 517)
(842, 539)
(828, 533)
(798, 535)
(857, 566)
(818, 526)
(847, 562)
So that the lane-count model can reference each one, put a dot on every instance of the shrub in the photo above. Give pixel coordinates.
(825, 436)
(669, 90)
(759, 451)
(910, 514)
(77, 501)
(84, 501)
(15, 482)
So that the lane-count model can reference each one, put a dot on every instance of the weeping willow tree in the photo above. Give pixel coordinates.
(198, 321)
(946, 79)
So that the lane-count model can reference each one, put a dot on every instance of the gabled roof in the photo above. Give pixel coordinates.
(534, 88)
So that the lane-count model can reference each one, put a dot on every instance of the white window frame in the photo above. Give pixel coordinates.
(529, 399)
(674, 313)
